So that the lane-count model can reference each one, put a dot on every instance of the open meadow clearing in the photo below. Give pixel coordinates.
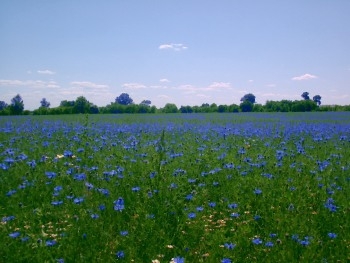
(175, 188)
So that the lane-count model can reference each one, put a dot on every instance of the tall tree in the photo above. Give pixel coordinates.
(317, 99)
(146, 103)
(248, 97)
(124, 99)
(246, 106)
(44, 103)
(3, 105)
(305, 95)
(17, 105)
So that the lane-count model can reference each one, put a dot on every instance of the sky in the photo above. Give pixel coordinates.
(186, 52)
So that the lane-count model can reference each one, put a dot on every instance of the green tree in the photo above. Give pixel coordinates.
(17, 105)
(246, 106)
(170, 108)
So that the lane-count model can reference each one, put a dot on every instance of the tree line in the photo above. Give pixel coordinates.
(125, 104)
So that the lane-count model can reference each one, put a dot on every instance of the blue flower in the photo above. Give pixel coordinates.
(304, 242)
(226, 260)
(229, 246)
(257, 191)
(332, 235)
(135, 189)
(257, 241)
(120, 254)
(124, 233)
(212, 204)
(7, 218)
(95, 216)
(232, 206)
(14, 234)
(50, 243)
(119, 204)
(79, 177)
(269, 244)
(179, 260)
(192, 215)
(50, 175)
(57, 203)
(235, 215)
(200, 208)
(11, 192)
(78, 200)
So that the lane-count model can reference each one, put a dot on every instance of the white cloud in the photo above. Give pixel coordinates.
(163, 96)
(270, 85)
(305, 77)
(250, 81)
(46, 72)
(220, 85)
(87, 84)
(133, 86)
(29, 83)
(175, 47)
(164, 80)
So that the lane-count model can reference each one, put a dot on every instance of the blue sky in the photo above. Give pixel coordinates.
(186, 52)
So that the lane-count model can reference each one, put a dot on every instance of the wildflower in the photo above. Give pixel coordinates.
(25, 239)
(189, 197)
(14, 234)
(257, 191)
(7, 218)
(94, 216)
(273, 235)
(269, 244)
(135, 189)
(78, 200)
(332, 235)
(330, 205)
(226, 260)
(235, 215)
(192, 215)
(50, 175)
(199, 208)
(304, 242)
(178, 260)
(58, 188)
(124, 233)
(60, 260)
(79, 177)
(232, 206)
(212, 204)
(257, 217)
(102, 207)
(89, 186)
(120, 254)
(229, 246)
(50, 243)
(32, 164)
(57, 203)
(257, 241)
(119, 204)
(11, 192)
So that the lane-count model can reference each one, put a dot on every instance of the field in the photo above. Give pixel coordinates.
(175, 188)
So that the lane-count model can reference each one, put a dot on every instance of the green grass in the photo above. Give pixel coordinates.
(215, 158)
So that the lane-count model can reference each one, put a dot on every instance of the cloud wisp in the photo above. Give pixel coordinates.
(174, 47)
(46, 72)
(305, 77)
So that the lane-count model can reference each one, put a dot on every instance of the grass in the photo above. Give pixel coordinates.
(202, 188)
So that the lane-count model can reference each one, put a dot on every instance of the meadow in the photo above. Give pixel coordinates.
(252, 187)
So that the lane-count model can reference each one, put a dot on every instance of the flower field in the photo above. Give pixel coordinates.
(175, 188)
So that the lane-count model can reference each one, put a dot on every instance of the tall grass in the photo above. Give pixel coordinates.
(193, 188)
